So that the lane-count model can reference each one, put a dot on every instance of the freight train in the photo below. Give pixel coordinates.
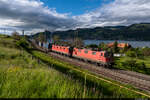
(101, 58)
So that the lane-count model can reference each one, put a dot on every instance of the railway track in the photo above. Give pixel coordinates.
(126, 78)
(137, 80)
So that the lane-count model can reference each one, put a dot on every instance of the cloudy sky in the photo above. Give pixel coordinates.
(36, 15)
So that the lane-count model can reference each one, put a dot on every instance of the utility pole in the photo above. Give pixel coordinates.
(31, 36)
(75, 38)
(51, 36)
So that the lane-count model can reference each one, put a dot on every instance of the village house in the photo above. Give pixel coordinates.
(120, 45)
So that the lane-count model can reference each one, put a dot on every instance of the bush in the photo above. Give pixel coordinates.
(92, 46)
(22, 43)
(130, 63)
(2, 56)
(135, 66)
(131, 53)
(146, 51)
(102, 46)
(135, 52)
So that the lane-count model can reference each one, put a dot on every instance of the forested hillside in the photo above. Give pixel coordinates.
(132, 32)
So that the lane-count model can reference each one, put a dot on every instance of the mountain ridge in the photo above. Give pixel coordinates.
(138, 32)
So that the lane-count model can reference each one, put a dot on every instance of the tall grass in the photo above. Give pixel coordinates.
(22, 76)
(19, 82)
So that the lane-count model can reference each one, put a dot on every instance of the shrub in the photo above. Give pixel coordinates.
(146, 51)
(131, 63)
(102, 46)
(93, 46)
(2, 56)
(22, 43)
(135, 66)
(131, 53)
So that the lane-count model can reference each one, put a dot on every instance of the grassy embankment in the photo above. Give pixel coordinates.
(137, 66)
(22, 76)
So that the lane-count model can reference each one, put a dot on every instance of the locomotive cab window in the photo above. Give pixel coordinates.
(85, 51)
(93, 53)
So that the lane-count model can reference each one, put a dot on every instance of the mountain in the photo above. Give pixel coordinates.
(137, 32)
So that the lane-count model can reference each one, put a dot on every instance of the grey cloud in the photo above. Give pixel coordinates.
(31, 14)
(119, 12)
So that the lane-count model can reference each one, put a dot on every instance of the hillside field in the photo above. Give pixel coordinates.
(24, 76)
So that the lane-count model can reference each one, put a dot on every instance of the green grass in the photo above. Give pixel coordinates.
(17, 82)
(23, 76)
(146, 60)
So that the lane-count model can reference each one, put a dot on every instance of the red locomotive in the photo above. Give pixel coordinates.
(100, 57)
(62, 50)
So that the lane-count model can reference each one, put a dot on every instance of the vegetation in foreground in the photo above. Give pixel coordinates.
(21, 75)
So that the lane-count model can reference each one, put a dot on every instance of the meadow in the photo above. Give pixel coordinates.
(121, 63)
(34, 74)
(22, 76)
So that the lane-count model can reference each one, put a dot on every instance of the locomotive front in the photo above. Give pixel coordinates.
(109, 61)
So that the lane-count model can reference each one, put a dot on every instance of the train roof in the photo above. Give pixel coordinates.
(92, 50)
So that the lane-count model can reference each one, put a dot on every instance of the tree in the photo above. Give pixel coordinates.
(102, 46)
(125, 49)
(138, 52)
(15, 35)
(143, 66)
(131, 53)
(22, 43)
(146, 51)
(56, 39)
(115, 47)
(78, 42)
(92, 46)
(130, 63)
(42, 37)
